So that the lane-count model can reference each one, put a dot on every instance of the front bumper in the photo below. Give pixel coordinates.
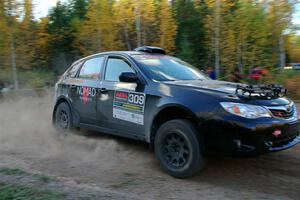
(234, 135)
(290, 142)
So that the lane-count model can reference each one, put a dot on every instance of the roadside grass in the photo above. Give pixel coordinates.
(43, 178)
(13, 171)
(13, 192)
(20, 172)
(17, 184)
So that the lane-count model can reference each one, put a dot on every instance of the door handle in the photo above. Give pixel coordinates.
(73, 87)
(103, 90)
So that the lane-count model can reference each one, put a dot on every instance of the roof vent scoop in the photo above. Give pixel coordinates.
(150, 49)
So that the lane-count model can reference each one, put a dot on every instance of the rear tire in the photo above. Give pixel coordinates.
(177, 146)
(63, 117)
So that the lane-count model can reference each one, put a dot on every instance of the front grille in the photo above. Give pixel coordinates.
(283, 111)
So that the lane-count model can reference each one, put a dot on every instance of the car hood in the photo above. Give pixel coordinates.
(225, 90)
(210, 85)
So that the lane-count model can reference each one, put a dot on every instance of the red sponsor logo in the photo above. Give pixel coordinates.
(123, 95)
(85, 94)
(277, 133)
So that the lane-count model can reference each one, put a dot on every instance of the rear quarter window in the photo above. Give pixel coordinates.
(73, 70)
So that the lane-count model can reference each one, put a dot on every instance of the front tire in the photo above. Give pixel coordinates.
(178, 148)
(63, 117)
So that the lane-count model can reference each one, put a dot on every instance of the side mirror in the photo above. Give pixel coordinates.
(128, 77)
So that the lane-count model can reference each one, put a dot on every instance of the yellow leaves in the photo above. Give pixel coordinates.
(125, 11)
(279, 15)
(250, 31)
(225, 3)
(27, 12)
(99, 32)
(154, 24)
(145, 21)
(210, 3)
(4, 43)
(146, 9)
(229, 3)
(42, 39)
(293, 48)
(229, 50)
(167, 27)
(25, 38)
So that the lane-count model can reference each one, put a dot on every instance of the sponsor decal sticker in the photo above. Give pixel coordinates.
(86, 93)
(129, 106)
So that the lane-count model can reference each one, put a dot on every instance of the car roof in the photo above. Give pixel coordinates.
(128, 53)
(121, 52)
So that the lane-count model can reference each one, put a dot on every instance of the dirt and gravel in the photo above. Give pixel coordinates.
(119, 168)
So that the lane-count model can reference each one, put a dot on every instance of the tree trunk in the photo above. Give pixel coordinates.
(98, 39)
(138, 24)
(217, 38)
(126, 35)
(13, 63)
(239, 54)
(282, 57)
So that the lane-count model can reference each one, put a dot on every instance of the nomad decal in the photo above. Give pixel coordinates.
(86, 93)
(129, 106)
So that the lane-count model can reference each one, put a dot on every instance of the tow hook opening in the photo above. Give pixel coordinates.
(268, 143)
(243, 147)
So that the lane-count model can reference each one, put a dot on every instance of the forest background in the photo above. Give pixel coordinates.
(223, 34)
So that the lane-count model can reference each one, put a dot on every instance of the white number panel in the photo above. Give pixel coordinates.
(129, 106)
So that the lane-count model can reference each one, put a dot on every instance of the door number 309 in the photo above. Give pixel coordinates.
(136, 99)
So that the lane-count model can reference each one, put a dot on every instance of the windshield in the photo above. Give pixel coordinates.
(167, 68)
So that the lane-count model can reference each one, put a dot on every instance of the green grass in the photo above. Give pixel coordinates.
(12, 171)
(15, 192)
(43, 178)
(20, 172)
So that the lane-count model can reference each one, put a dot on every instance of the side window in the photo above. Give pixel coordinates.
(115, 67)
(73, 71)
(91, 69)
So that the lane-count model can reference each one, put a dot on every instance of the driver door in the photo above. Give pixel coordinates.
(114, 108)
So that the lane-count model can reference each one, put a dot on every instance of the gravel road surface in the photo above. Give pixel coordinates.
(127, 168)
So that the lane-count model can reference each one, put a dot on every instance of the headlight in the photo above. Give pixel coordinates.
(295, 110)
(245, 110)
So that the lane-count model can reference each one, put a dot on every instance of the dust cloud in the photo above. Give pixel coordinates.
(28, 140)
(26, 127)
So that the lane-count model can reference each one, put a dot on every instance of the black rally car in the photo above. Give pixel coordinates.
(150, 96)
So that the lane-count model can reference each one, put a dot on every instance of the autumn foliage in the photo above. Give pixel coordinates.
(252, 33)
